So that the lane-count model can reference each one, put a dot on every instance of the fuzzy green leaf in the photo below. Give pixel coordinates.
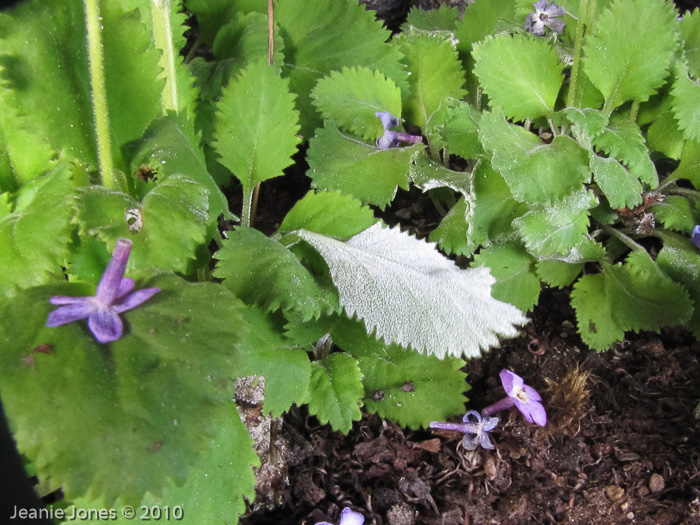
(436, 72)
(444, 17)
(256, 128)
(212, 15)
(689, 167)
(411, 295)
(260, 270)
(329, 36)
(168, 150)
(664, 136)
(43, 57)
(35, 236)
(517, 282)
(451, 233)
(675, 213)
(329, 213)
(266, 352)
(335, 391)
(586, 124)
(690, 38)
(166, 227)
(558, 273)
(522, 74)
(620, 187)
(406, 387)
(339, 162)
(686, 103)
(629, 49)
(137, 409)
(455, 126)
(633, 296)
(351, 98)
(532, 168)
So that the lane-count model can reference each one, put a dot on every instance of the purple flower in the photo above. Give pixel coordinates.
(695, 236)
(546, 14)
(391, 139)
(113, 297)
(347, 517)
(523, 397)
(473, 423)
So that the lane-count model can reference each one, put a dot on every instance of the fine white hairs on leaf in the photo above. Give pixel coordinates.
(412, 295)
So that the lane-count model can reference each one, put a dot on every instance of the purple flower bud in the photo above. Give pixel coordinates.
(114, 295)
(347, 517)
(545, 15)
(473, 423)
(523, 397)
(695, 236)
(392, 139)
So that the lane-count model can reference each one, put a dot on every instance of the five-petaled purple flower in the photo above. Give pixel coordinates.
(546, 14)
(347, 517)
(695, 236)
(473, 423)
(523, 397)
(391, 139)
(114, 295)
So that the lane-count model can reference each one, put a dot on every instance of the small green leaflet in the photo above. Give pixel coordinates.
(436, 72)
(455, 126)
(339, 162)
(257, 125)
(141, 408)
(517, 282)
(351, 98)
(522, 74)
(166, 227)
(35, 235)
(533, 169)
(336, 390)
(629, 49)
(634, 296)
(690, 37)
(686, 103)
(413, 296)
(406, 387)
(675, 213)
(622, 189)
(261, 271)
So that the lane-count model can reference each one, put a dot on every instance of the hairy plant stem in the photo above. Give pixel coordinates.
(634, 110)
(627, 241)
(586, 10)
(99, 94)
(162, 35)
(246, 215)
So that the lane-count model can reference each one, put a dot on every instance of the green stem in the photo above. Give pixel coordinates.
(99, 94)
(247, 205)
(634, 110)
(586, 11)
(627, 241)
(162, 34)
(685, 192)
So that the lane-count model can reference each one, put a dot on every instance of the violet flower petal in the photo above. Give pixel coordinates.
(470, 442)
(485, 442)
(64, 299)
(125, 287)
(105, 325)
(134, 299)
(388, 120)
(71, 312)
(695, 236)
(526, 398)
(111, 282)
(350, 517)
(556, 25)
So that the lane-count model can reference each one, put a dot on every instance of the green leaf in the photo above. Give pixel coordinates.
(522, 74)
(351, 98)
(43, 58)
(140, 408)
(166, 227)
(690, 38)
(406, 387)
(633, 296)
(622, 189)
(586, 124)
(675, 213)
(329, 36)
(436, 72)
(558, 273)
(455, 126)
(335, 391)
(266, 352)
(451, 234)
(444, 17)
(623, 140)
(260, 270)
(411, 295)
(35, 236)
(664, 136)
(329, 213)
(532, 168)
(517, 282)
(689, 167)
(256, 129)
(686, 103)
(628, 52)
(212, 15)
(168, 150)
(339, 162)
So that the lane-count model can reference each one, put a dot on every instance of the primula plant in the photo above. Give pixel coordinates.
(560, 144)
